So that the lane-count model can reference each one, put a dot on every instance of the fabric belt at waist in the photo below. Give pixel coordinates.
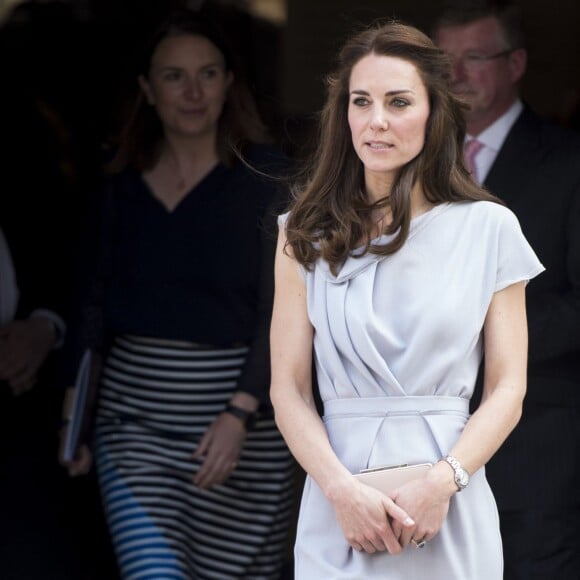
(382, 406)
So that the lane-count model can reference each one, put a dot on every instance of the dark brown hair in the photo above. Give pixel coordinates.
(141, 137)
(507, 12)
(331, 213)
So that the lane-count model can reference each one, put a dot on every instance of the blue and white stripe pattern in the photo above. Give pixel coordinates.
(156, 401)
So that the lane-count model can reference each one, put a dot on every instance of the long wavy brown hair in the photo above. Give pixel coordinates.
(240, 124)
(330, 212)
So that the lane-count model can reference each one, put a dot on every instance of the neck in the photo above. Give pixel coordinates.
(378, 186)
(419, 203)
(379, 189)
(190, 151)
(182, 164)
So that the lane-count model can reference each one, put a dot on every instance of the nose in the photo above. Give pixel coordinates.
(457, 70)
(193, 88)
(379, 121)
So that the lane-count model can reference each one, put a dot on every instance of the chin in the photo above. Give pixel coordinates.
(382, 169)
(196, 131)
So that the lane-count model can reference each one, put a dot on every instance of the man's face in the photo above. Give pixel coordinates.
(484, 72)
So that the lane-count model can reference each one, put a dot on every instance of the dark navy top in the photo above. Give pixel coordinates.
(202, 272)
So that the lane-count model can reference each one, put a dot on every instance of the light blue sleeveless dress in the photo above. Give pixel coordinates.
(398, 343)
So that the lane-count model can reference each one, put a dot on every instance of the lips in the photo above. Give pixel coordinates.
(379, 145)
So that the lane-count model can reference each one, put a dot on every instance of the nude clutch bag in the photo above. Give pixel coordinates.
(388, 478)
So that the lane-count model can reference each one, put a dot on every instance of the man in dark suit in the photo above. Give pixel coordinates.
(534, 167)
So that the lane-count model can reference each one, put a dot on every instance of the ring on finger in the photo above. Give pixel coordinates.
(419, 544)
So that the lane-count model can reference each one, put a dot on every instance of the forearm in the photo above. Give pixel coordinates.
(254, 381)
(489, 427)
(306, 437)
(504, 388)
(245, 401)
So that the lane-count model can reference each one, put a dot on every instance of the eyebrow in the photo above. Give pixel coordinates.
(179, 67)
(387, 94)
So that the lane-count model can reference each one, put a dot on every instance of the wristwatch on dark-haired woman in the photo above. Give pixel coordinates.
(248, 418)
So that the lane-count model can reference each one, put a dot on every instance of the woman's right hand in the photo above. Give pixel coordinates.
(82, 462)
(365, 515)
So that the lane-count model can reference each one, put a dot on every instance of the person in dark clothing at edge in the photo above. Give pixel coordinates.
(534, 167)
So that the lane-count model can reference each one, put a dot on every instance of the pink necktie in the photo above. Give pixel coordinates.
(470, 150)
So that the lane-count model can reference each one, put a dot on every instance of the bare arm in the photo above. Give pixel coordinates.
(505, 339)
(506, 342)
(362, 511)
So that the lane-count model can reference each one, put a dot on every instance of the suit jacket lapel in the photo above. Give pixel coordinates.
(521, 150)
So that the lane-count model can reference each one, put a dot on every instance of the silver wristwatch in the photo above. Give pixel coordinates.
(461, 476)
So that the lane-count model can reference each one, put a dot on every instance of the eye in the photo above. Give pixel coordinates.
(473, 57)
(399, 103)
(360, 101)
(172, 75)
(210, 73)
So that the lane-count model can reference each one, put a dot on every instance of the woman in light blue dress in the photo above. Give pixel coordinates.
(400, 271)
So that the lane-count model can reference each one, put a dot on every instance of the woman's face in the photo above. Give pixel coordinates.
(187, 84)
(387, 114)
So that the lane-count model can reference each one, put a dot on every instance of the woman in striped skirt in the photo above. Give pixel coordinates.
(176, 292)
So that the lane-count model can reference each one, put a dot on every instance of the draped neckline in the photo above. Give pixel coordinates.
(359, 261)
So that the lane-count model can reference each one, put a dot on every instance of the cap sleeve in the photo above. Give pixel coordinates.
(516, 260)
(283, 219)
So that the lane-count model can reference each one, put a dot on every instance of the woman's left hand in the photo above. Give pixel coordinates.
(426, 500)
(220, 450)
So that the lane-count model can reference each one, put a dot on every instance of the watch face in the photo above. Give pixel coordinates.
(462, 478)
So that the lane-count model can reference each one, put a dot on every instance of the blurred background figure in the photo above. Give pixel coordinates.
(35, 265)
(43, 168)
(175, 291)
(534, 167)
(32, 501)
(33, 285)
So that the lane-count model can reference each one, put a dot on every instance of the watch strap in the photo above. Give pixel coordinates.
(458, 472)
(246, 417)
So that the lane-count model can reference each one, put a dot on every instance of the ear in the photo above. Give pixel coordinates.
(146, 88)
(518, 60)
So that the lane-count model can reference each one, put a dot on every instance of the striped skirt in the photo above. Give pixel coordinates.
(156, 401)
